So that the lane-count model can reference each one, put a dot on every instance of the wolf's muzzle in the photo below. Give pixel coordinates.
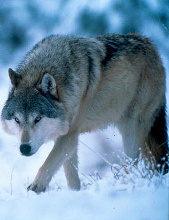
(25, 149)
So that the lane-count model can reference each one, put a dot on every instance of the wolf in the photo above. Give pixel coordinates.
(67, 85)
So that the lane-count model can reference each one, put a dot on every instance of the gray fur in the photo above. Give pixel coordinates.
(67, 85)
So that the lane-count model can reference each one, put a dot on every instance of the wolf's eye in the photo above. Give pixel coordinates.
(17, 120)
(37, 119)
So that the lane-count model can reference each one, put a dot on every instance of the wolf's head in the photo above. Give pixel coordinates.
(34, 113)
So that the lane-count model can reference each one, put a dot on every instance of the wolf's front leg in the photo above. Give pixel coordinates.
(62, 151)
(71, 172)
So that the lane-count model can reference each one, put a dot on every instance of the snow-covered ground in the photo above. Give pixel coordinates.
(117, 193)
(104, 200)
(104, 195)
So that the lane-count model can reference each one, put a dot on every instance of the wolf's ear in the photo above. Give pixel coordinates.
(48, 84)
(14, 77)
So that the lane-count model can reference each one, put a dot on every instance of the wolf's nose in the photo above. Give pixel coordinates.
(25, 149)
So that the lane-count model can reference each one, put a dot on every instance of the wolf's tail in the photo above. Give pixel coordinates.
(158, 141)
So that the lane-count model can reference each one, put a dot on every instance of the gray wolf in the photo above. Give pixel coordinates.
(68, 85)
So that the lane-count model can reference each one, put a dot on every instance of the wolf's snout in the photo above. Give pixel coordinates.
(25, 149)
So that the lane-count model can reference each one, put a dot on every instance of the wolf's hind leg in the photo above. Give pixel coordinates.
(63, 150)
(132, 137)
(150, 135)
(71, 172)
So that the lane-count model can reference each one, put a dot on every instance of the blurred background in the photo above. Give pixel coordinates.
(23, 23)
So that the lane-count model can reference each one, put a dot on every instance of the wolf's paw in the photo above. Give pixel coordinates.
(41, 182)
(36, 188)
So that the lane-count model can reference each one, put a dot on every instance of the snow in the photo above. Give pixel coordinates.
(102, 201)
(107, 193)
